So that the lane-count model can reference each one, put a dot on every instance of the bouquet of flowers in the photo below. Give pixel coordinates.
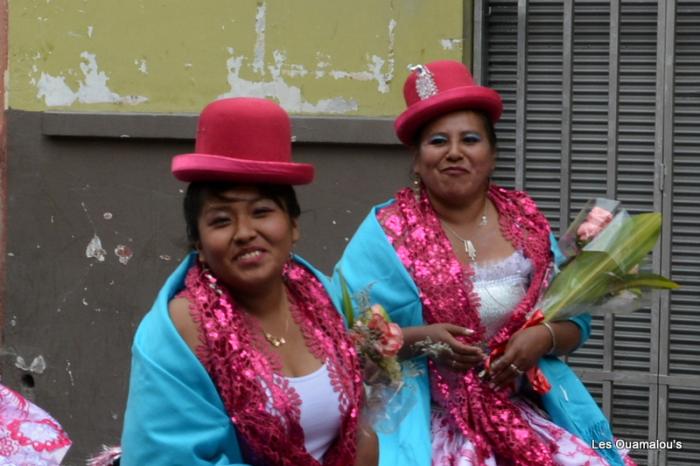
(604, 248)
(378, 342)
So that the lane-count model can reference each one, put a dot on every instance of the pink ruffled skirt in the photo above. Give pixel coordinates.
(28, 435)
(451, 448)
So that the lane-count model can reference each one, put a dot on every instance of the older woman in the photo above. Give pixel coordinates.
(243, 358)
(461, 262)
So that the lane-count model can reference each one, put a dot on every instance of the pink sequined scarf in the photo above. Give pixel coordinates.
(258, 398)
(485, 416)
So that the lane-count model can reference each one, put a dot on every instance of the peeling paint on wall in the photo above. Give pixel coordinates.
(296, 53)
(95, 250)
(259, 53)
(123, 253)
(142, 66)
(38, 365)
(70, 373)
(92, 90)
(450, 44)
(288, 96)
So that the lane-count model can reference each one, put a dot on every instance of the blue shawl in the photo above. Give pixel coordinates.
(370, 263)
(174, 414)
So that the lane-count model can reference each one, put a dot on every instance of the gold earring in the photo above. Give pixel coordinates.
(416, 185)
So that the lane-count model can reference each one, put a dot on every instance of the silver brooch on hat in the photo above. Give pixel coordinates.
(425, 84)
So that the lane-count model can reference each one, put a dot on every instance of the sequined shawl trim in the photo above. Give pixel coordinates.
(259, 400)
(447, 295)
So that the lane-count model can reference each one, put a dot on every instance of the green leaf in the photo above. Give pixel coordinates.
(584, 279)
(592, 274)
(347, 308)
(646, 280)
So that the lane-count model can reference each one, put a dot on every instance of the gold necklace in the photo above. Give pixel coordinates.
(273, 340)
(468, 245)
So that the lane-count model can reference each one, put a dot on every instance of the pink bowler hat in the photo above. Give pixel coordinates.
(438, 88)
(243, 140)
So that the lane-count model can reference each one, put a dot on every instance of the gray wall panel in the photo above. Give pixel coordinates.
(79, 313)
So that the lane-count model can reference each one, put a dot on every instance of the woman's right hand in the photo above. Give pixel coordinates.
(459, 357)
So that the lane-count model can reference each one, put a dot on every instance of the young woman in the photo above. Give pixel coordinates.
(462, 262)
(243, 358)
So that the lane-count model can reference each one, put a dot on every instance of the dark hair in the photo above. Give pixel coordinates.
(198, 192)
(483, 116)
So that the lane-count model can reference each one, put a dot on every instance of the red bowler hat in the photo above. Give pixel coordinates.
(438, 88)
(243, 140)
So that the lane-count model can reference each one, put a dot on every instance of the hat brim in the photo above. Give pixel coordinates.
(208, 167)
(459, 98)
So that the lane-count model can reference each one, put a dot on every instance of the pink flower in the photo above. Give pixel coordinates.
(377, 321)
(597, 219)
(391, 337)
(392, 341)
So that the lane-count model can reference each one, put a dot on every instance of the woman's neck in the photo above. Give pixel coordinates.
(463, 213)
(264, 303)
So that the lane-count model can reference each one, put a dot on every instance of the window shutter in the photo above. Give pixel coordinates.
(683, 348)
(631, 133)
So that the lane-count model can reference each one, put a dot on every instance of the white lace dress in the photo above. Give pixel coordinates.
(500, 286)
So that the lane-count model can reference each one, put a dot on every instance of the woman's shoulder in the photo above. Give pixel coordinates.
(519, 200)
(515, 195)
(180, 312)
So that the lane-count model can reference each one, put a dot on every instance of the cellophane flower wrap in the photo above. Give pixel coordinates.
(378, 341)
(605, 248)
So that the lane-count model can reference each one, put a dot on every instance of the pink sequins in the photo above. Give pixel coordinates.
(259, 400)
(487, 417)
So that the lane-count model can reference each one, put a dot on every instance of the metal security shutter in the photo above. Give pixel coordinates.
(589, 148)
(589, 89)
(542, 128)
(683, 322)
(502, 71)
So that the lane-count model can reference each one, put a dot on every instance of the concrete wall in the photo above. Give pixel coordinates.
(3, 154)
(314, 56)
(93, 215)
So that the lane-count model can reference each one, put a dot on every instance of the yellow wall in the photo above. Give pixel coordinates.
(313, 56)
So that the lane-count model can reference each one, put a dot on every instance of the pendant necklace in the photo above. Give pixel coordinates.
(275, 341)
(468, 244)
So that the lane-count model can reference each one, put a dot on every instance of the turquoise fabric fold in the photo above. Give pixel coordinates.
(174, 414)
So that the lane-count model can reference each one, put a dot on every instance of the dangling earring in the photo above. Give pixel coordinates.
(211, 280)
(416, 185)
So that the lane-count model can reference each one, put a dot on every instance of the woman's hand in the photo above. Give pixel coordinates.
(528, 345)
(460, 356)
(367, 447)
(523, 351)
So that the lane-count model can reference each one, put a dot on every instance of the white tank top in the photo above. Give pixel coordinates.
(320, 413)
